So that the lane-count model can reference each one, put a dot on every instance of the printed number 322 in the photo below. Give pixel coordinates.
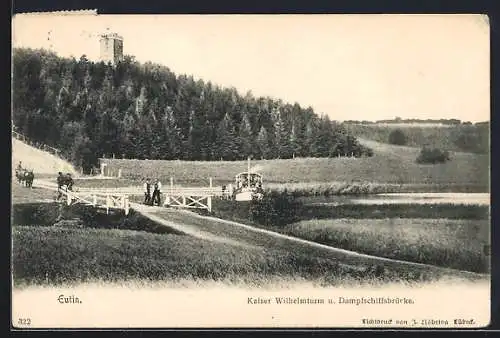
(24, 321)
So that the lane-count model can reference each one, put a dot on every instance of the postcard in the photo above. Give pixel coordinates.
(250, 171)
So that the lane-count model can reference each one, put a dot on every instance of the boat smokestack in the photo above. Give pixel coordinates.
(248, 175)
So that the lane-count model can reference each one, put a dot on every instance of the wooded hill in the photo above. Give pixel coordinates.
(90, 109)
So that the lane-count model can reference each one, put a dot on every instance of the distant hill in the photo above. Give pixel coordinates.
(452, 137)
(448, 122)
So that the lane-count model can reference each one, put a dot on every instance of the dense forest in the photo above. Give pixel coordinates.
(131, 110)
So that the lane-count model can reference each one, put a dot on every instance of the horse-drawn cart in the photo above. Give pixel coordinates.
(24, 176)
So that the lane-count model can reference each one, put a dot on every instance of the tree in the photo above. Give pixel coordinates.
(107, 88)
(173, 134)
(226, 145)
(293, 141)
(129, 135)
(323, 138)
(281, 137)
(432, 156)
(147, 111)
(64, 97)
(193, 141)
(77, 146)
(398, 137)
(245, 138)
(107, 134)
(264, 150)
(140, 102)
(310, 144)
(471, 138)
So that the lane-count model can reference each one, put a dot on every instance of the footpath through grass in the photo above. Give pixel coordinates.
(61, 255)
(56, 244)
(64, 255)
(451, 236)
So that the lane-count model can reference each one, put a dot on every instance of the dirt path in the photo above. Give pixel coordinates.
(162, 216)
(211, 228)
(229, 232)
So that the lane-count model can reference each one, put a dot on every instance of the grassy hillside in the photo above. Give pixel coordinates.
(390, 164)
(470, 138)
(40, 161)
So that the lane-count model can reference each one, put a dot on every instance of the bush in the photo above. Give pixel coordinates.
(275, 209)
(432, 156)
(398, 137)
(365, 151)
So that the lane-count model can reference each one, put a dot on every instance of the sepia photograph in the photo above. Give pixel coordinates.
(250, 171)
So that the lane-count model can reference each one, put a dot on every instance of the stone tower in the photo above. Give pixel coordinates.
(111, 48)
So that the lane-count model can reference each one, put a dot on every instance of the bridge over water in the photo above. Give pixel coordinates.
(174, 196)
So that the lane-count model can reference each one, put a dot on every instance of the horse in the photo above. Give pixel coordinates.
(29, 176)
(20, 175)
(25, 177)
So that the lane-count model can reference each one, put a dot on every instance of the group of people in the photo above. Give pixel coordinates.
(64, 182)
(248, 182)
(152, 192)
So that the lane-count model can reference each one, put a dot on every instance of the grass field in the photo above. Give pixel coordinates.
(21, 194)
(63, 245)
(106, 183)
(447, 235)
(458, 244)
(60, 244)
(390, 165)
(62, 255)
(57, 244)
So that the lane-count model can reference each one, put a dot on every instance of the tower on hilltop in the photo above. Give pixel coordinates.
(111, 48)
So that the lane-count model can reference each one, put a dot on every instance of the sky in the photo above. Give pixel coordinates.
(350, 67)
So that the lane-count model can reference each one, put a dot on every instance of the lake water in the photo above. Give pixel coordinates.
(404, 198)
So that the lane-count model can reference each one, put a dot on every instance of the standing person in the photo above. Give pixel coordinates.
(60, 183)
(157, 192)
(69, 182)
(147, 192)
